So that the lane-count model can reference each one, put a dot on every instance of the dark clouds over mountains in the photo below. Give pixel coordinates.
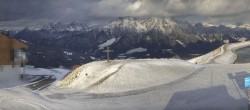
(99, 11)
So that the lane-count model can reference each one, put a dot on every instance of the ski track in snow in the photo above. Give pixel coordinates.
(33, 104)
(106, 77)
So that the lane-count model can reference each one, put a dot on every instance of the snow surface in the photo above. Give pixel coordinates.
(59, 27)
(93, 58)
(209, 25)
(121, 76)
(57, 72)
(192, 87)
(136, 50)
(243, 26)
(24, 41)
(146, 84)
(223, 55)
(82, 57)
(107, 43)
(67, 53)
(229, 55)
(181, 43)
(165, 25)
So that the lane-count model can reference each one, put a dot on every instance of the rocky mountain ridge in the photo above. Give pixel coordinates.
(157, 37)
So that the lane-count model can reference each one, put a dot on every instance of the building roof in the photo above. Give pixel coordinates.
(25, 45)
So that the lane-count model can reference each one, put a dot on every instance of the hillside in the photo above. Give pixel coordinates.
(159, 37)
(140, 84)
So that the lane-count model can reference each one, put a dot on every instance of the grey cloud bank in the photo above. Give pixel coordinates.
(99, 11)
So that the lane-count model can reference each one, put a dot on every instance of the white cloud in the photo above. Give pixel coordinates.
(208, 8)
(135, 6)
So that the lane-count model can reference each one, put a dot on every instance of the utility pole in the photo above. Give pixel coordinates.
(108, 51)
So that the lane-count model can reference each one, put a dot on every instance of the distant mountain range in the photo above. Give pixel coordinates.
(58, 44)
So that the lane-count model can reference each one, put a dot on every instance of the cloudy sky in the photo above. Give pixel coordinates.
(18, 13)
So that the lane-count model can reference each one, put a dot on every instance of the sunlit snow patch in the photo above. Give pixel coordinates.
(67, 53)
(107, 43)
(136, 50)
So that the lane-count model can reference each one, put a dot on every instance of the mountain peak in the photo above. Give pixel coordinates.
(59, 27)
(143, 24)
(239, 25)
(205, 24)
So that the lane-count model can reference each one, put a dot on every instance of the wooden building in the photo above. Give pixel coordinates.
(12, 51)
(12, 58)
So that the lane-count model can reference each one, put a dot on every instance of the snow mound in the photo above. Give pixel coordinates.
(125, 75)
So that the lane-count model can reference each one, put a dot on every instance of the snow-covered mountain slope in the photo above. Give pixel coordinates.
(154, 34)
(59, 27)
(165, 25)
(245, 26)
(46, 34)
(209, 25)
(241, 26)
